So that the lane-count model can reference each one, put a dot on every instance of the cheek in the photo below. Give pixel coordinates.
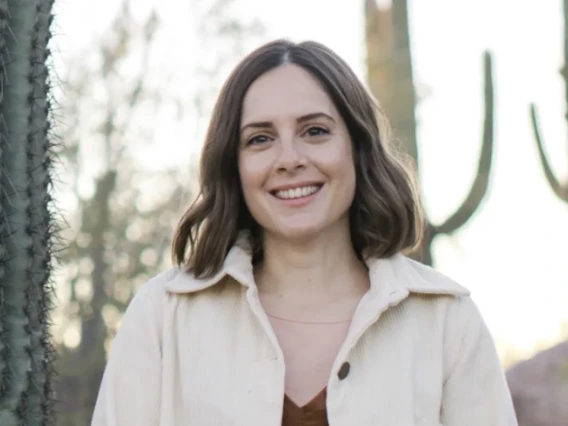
(349, 178)
(342, 168)
(348, 163)
(339, 163)
(251, 174)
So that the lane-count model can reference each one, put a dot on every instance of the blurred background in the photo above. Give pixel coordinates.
(136, 84)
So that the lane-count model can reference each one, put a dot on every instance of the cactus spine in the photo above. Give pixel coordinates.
(26, 224)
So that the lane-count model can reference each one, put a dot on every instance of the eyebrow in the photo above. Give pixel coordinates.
(302, 119)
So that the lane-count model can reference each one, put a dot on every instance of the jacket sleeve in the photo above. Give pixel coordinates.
(475, 390)
(129, 394)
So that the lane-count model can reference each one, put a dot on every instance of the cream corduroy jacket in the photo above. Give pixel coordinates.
(195, 352)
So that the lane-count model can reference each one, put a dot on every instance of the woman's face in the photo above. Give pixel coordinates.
(295, 157)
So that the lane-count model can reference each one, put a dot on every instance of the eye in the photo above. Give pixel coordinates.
(316, 131)
(260, 139)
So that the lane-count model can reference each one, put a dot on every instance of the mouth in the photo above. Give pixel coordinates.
(297, 192)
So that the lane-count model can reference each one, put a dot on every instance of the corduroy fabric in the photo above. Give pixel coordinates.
(202, 353)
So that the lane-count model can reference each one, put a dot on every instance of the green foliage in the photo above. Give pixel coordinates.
(26, 224)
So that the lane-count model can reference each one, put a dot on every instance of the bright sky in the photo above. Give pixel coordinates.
(513, 254)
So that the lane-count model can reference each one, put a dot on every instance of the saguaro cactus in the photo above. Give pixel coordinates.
(26, 225)
(560, 189)
(389, 69)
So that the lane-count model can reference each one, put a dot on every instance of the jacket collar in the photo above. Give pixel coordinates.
(387, 276)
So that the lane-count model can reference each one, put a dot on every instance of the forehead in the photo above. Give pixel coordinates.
(286, 91)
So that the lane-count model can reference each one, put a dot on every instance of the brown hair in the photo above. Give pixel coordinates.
(386, 216)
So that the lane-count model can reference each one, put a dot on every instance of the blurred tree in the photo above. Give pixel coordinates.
(120, 234)
(105, 258)
(539, 385)
(390, 77)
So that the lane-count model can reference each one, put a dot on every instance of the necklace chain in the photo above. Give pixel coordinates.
(308, 322)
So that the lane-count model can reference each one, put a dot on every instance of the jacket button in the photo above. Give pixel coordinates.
(343, 371)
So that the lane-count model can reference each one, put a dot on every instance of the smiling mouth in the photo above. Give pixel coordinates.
(295, 193)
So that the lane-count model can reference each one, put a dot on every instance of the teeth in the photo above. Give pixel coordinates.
(297, 192)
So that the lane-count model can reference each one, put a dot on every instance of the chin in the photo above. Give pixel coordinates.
(298, 233)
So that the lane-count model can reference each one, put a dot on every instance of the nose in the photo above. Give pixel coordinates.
(290, 156)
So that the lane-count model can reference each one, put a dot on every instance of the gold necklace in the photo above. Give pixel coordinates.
(308, 322)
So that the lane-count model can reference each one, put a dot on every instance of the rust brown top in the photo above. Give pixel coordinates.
(312, 414)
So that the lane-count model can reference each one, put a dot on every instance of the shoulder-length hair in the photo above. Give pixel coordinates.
(385, 217)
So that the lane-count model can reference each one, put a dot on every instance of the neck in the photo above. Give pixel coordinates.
(325, 267)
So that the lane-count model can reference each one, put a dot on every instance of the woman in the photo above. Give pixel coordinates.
(292, 302)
